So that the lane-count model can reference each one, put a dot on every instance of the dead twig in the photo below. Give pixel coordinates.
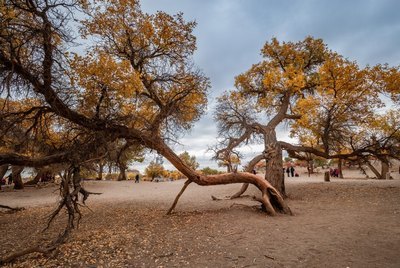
(164, 255)
(269, 257)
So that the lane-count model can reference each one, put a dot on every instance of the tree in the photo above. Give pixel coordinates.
(320, 162)
(209, 171)
(231, 163)
(189, 160)
(122, 153)
(271, 88)
(174, 175)
(154, 170)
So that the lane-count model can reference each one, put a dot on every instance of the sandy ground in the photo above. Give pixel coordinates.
(350, 222)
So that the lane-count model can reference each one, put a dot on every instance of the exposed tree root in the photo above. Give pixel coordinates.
(86, 194)
(11, 208)
(70, 188)
(277, 201)
(178, 196)
(35, 249)
(227, 197)
(242, 205)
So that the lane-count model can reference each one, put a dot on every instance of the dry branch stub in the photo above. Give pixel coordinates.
(327, 176)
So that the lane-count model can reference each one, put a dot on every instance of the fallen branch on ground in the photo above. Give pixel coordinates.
(213, 197)
(11, 208)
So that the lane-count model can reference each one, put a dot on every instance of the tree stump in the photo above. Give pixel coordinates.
(327, 176)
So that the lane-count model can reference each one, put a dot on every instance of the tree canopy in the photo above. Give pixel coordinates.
(189, 160)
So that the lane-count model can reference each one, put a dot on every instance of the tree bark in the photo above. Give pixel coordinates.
(374, 170)
(109, 169)
(34, 249)
(311, 164)
(274, 163)
(340, 167)
(327, 176)
(122, 173)
(3, 170)
(310, 167)
(36, 179)
(101, 168)
(16, 175)
(228, 168)
(11, 208)
(385, 174)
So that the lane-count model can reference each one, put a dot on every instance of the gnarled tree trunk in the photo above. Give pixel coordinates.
(374, 170)
(270, 198)
(3, 170)
(310, 167)
(101, 169)
(340, 167)
(36, 179)
(16, 175)
(274, 163)
(385, 174)
(327, 176)
(229, 168)
(109, 169)
(122, 173)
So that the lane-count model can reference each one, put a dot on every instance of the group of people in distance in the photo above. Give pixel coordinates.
(290, 171)
(334, 172)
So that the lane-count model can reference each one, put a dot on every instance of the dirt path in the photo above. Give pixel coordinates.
(344, 223)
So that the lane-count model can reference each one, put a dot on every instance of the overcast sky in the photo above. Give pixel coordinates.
(231, 33)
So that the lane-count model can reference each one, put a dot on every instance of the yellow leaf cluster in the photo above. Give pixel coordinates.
(102, 74)
(288, 68)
